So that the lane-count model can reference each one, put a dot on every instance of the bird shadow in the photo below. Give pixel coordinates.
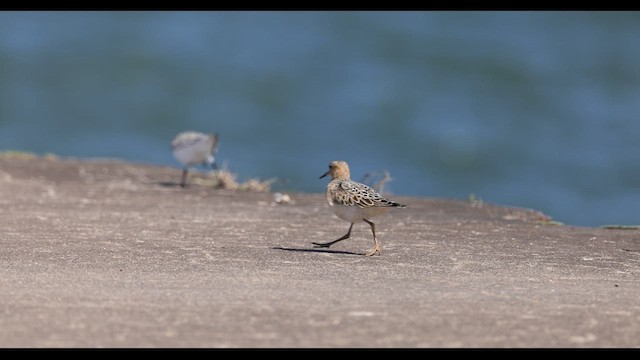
(317, 251)
(168, 183)
(175, 184)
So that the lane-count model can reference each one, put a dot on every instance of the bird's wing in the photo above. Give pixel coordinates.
(351, 193)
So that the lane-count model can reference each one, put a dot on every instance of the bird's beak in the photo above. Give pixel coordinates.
(323, 175)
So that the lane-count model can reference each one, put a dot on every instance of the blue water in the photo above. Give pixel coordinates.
(529, 109)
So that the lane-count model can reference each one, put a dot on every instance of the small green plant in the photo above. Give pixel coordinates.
(622, 227)
(475, 200)
(12, 154)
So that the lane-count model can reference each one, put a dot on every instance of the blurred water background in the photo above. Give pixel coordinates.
(528, 109)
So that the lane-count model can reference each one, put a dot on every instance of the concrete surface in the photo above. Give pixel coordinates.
(113, 254)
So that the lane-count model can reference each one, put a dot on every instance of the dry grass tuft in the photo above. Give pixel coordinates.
(224, 179)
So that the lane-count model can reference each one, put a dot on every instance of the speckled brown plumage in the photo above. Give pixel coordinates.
(354, 202)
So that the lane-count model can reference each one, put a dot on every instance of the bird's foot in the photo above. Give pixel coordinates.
(374, 251)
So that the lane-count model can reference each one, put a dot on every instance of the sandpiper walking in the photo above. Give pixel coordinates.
(192, 148)
(354, 202)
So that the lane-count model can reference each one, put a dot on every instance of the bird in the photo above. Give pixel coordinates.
(191, 148)
(354, 202)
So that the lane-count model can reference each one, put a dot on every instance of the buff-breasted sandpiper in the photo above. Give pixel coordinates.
(354, 202)
(192, 148)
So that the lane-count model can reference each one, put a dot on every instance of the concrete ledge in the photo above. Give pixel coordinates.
(107, 253)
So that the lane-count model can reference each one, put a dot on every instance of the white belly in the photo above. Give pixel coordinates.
(355, 214)
(349, 213)
(194, 154)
